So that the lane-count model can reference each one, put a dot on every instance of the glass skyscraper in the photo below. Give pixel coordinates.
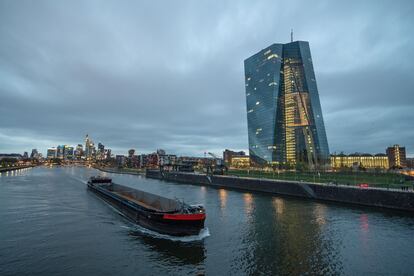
(284, 116)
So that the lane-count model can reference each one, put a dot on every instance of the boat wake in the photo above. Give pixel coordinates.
(204, 233)
(84, 181)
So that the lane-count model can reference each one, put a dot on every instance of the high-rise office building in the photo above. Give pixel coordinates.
(396, 156)
(79, 151)
(284, 116)
(68, 152)
(60, 153)
(89, 148)
(34, 154)
(51, 153)
(131, 153)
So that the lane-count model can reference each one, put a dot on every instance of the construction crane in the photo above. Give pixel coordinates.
(217, 167)
(219, 161)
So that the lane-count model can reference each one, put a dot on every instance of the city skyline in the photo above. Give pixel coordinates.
(107, 74)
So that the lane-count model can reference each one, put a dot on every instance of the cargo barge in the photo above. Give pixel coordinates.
(157, 213)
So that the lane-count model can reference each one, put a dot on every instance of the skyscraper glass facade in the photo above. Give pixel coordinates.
(284, 116)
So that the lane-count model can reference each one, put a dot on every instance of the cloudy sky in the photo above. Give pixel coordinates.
(169, 74)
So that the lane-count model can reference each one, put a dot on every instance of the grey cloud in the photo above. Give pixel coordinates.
(169, 74)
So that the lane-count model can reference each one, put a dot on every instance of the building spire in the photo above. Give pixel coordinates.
(291, 35)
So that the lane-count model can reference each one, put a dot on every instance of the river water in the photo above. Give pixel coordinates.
(50, 224)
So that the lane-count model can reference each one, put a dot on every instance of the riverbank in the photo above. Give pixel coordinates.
(14, 168)
(119, 171)
(374, 197)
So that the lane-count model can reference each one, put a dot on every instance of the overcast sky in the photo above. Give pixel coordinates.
(169, 74)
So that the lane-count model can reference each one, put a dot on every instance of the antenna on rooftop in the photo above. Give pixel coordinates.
(291, 35)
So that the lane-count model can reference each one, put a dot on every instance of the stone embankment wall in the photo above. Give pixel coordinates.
(392, 199)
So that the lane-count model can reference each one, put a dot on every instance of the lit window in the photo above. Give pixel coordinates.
(267, 52)
(272, 83)
(248, 94)
(249, 78)
(250, 111)
(261, 80)
(257, 103)
(272, 56)
(255, 88)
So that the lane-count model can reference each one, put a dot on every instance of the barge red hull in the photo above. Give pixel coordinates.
(163, 215)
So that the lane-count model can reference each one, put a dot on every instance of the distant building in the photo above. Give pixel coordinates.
(143, 160)
(51, 153)
(410, 163)
(89, 148)
(100, 154)
(229, 154)
(68, 153)
(131, 153)
(34, 154)
(79, 151)
(107, 154)
(167, 159)
(240, 162)
(284, 115)
(367, 161)
(10, 156)
(161, 152)
(120, 160)
(152, 160)
(396, 156)
(60, 152)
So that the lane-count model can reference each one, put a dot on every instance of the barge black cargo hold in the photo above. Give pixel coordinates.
(163, 215)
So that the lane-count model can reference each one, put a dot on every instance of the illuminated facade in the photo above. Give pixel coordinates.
(229, 154)
(51, 153)
(240, 162)
(367, 161)
(60, 153)
(285, 124)
(89, 148)
(396, 156)
(68, 152)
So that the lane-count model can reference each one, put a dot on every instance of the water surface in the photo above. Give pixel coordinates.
(50, 224)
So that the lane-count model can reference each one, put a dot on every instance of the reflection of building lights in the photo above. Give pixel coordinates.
(319, 213)
(364, 223)
(278, 205)
(223, 198)
(248, 203)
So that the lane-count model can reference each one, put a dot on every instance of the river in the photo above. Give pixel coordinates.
(50, 224)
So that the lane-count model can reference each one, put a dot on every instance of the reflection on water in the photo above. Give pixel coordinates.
(320, 213)
(223, 198)
(173, 252)
(364, 223)
(364, 231)
(292, 244)
(278, 205)
(248, 204)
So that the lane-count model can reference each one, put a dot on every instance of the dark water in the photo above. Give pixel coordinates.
(51, 225)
